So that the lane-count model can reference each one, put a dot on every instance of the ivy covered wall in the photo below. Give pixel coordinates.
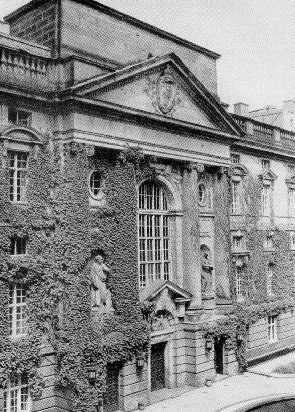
(63, 234)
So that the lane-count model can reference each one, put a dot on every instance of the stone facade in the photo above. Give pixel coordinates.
(220, 198)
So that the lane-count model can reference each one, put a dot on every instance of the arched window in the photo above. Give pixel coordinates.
(95, 183)
(154, 234)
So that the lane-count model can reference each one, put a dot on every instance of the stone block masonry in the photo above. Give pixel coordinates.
(38, 25)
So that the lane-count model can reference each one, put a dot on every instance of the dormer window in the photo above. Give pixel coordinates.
(19, 117)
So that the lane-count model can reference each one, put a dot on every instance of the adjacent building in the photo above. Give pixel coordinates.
(147, 235)
(280, 117)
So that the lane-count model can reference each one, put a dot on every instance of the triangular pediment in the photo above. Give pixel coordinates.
(156, 288)
(268, 175)
(238, 170)
(161, 86)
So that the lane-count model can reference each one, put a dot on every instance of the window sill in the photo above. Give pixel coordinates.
(19, 203)
(18, 337)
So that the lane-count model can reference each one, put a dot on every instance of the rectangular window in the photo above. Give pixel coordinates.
(235, 158)
(291, 168)
(291, 202)
(237, 242)
(16, 396)
(239, 283)
(265, 164)
(269, 280)
(292, 240)
(272, 328)
(18, 246)
(265, 201)
(18, 176)
(236, 198)
(19, 117)
(17, 310)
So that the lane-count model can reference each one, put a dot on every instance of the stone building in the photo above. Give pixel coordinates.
(280, 117)
(147, 236)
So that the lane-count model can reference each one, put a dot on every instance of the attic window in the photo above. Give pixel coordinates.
(19, 117)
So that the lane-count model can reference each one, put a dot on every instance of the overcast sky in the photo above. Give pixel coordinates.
(256, 39)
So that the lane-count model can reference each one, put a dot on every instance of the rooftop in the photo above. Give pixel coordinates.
(120, 16)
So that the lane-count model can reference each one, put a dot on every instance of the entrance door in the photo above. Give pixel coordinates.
(218, 354)
(111, 396)
(158, 366)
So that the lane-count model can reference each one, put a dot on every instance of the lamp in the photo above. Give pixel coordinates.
(140, 360)
(92, 376)
(209, 344)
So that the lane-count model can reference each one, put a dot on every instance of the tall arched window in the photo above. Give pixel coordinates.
(154, 234)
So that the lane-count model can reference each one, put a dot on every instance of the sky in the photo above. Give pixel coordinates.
(256, 40)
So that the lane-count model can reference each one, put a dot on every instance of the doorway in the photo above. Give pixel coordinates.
(111, 396)
(219, 355)
(158, 366)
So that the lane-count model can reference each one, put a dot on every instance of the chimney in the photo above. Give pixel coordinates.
(289, 105)
(4, 27)
(225, 106)
(242, 109)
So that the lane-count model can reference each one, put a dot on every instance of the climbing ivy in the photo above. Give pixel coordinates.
(256, 304)
(63, 233)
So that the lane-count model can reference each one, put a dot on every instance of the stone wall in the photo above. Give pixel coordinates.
(258, 347)
(90, 32)
(38, 25)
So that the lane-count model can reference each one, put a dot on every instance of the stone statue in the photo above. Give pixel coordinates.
(207, 268)
(100, 295)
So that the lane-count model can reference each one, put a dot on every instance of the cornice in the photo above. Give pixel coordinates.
(159, 122)
(254, 147)
(119, 142)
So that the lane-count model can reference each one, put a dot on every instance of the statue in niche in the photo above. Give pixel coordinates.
(163, 319)
(207, 268)
(100, 296)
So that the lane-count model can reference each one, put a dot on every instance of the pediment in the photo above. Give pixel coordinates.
(238, 170)
(268, 176)
(160, 86)
(21, 134)
(157, 288)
